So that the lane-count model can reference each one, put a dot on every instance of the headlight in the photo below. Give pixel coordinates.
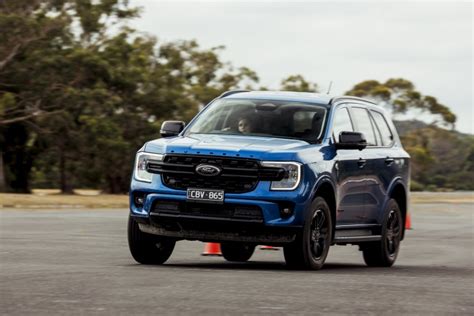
(141, 160)
(292, 175)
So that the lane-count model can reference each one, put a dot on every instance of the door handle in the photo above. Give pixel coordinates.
(389, 161)
(361, 162)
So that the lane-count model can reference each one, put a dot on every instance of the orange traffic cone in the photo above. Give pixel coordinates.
(268, 248)
(408, 222)
(212, 249)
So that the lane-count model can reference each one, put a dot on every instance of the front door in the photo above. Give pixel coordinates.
(350, 168)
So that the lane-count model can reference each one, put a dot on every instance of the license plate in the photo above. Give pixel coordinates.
(206, 195)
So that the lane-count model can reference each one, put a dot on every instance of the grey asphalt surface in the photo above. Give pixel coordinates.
(77, 262)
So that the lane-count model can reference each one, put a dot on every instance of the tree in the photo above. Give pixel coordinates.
(77, 101)
(298, 83)
(39, 46)
(400, 96)
(440, 158)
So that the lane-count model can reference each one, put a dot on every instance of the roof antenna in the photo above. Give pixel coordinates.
(330, 86)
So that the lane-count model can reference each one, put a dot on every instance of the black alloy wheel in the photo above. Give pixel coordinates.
(311, 247)
(319, 234)
(383, 253)
(393, 236)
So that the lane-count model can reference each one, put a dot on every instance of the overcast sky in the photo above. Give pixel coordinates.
(428, 43)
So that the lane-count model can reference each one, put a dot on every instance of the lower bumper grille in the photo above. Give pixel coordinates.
(231, 211)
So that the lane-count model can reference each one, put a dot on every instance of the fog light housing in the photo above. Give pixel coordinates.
(139, 199)
(286, 210)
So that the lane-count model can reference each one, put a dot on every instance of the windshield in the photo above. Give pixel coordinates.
(287, 119)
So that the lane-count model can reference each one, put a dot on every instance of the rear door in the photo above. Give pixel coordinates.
(386, 162)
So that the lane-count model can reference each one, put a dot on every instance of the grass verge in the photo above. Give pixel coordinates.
(47, 199)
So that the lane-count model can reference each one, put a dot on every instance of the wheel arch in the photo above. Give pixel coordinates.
(326, 189)
(398, 192)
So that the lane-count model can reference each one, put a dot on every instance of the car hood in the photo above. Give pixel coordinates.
(232, 145)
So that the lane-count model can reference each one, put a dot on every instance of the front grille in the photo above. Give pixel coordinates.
(235, 211)
(238, 175)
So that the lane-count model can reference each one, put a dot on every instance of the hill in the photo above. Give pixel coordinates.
(441, 159)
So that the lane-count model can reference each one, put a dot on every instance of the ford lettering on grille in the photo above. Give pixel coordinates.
(208, 170)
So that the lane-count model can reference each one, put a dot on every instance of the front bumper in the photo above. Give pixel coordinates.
(239, 220)
(215, 224)
(216, 230)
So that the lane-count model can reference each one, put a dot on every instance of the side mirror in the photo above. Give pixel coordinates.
(171, 128)
(351, 140)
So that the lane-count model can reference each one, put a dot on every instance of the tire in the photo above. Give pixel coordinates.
(383, 253)
(147, 248)
(311, 247)
(237, 252)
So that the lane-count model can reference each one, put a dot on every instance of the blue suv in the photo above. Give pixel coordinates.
(298, 170)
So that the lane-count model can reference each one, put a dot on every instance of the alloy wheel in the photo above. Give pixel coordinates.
(319, 234)
(392, 237)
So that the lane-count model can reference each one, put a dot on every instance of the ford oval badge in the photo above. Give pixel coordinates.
(208, 170)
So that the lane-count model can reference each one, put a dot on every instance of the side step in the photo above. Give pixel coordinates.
(356, 239)
(354, 234)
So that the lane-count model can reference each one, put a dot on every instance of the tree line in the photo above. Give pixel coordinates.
(80, 92)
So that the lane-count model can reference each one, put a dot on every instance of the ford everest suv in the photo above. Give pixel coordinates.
(298, 170)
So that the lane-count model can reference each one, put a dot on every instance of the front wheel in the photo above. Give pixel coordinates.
(383, 253)
(146, 248)
(311, 247)
(237, 252)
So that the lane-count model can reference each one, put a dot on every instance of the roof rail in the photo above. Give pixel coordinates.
(227, 93)
(348, 97)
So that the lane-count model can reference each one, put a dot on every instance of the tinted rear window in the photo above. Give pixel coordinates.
(385, 132)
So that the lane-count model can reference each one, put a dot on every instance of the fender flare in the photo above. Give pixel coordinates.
(395, 182)
(325, 178)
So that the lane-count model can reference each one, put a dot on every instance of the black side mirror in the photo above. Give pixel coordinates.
(171, 128)
(351, 140)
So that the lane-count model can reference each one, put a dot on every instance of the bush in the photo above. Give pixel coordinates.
(416, 186)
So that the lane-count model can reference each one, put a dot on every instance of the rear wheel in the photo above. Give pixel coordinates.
(146, 248)
(237, 252)
(311, 247)
(383, 253)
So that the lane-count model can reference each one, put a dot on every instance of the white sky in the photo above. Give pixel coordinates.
(428, 43)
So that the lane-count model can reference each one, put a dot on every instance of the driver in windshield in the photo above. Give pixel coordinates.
(246, 125)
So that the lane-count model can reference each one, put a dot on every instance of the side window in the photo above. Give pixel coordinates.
(378, 136)
(386, 133)
(364, 123)
(342, 122)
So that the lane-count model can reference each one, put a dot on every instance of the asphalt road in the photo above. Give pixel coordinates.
(77, 262)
